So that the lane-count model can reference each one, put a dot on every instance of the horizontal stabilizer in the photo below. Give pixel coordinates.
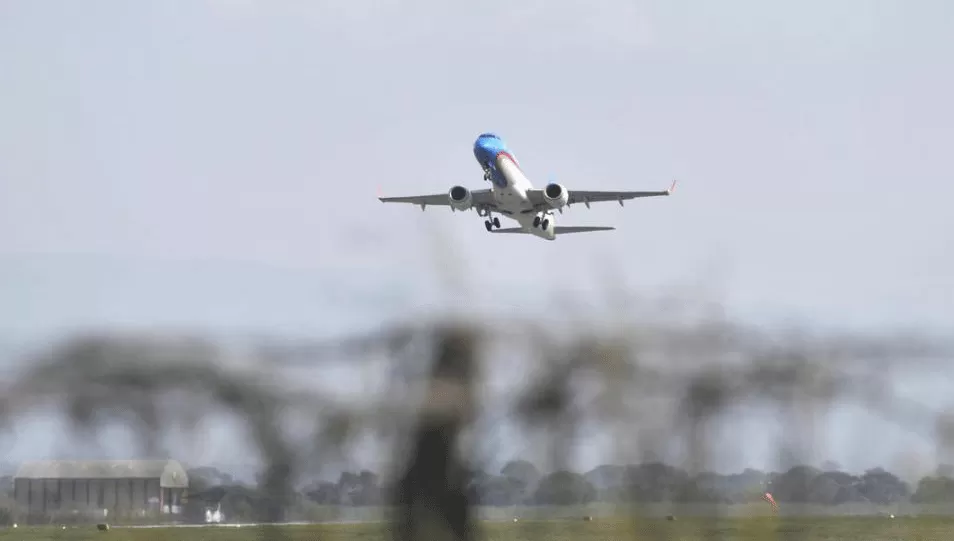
(560, 229)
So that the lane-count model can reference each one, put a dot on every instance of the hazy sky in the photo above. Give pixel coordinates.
(811, 142)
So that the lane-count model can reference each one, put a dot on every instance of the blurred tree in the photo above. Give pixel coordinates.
(795, 485)
(655, 482)
(880, 486)
(322, 492)
(564, 488)
(934, 490)
(498, 490)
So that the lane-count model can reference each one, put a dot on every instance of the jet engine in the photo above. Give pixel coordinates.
(555, 195)
(460, 197)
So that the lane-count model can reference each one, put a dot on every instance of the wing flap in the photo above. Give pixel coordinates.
(479, 198)
(598, 196)
(433, 199)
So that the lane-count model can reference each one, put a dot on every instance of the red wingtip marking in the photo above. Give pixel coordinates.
(672, 186)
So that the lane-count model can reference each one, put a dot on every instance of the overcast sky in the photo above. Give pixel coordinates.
(250, 137)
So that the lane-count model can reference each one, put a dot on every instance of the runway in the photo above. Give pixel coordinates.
(231, 525)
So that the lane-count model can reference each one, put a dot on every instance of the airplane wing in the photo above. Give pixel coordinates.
(560, 229)
(596, 196)
(480, 198)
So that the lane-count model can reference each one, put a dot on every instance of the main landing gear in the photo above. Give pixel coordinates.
(542, 223)
(492, 221)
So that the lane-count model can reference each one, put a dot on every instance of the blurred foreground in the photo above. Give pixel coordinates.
(431, 400)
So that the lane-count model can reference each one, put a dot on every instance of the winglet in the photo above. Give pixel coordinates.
(672, 187)
(378, 192)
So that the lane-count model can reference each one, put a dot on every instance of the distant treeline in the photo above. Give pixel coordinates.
(521, 483)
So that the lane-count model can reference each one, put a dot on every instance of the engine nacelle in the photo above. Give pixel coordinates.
(555, 195)
(460, 197)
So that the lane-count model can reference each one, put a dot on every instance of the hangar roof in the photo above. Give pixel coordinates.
(170, 473)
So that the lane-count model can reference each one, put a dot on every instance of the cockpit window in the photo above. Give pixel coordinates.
(490, 135)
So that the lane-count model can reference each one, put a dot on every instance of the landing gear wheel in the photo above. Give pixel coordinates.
(536, 221)
(497, 222)
(488, 225)
(545, 224)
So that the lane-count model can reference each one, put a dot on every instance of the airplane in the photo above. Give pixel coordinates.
(512, 195)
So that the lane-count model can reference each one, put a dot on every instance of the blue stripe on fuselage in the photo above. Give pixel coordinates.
(486, 148)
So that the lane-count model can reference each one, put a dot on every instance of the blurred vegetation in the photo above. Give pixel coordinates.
(650, 383)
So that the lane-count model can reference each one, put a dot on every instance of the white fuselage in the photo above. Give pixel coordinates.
(513, 202)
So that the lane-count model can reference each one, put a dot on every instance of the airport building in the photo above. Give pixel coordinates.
(120, 486)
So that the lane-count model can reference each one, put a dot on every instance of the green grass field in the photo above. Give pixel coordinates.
(730, 529)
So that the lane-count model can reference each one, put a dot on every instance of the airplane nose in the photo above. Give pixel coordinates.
(483, 152)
